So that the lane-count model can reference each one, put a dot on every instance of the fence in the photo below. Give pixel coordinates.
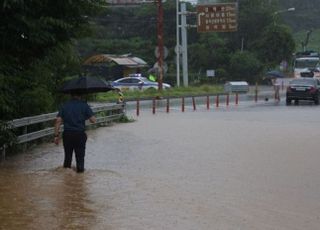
(104, 114)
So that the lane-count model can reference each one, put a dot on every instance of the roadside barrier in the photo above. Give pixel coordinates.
(182, 105)
(227, 100)
(256, 93)
(237, 98)
(194, 104)
(36, 127)
(223, 100)
(217, 101)
(153, 106)
(138, 108)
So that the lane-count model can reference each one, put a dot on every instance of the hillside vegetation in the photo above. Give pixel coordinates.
(305, 17)
(43, 43)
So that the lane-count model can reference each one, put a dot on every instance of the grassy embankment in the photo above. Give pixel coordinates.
(173, 92)
(314, 40)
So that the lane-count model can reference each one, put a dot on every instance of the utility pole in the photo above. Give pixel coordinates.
(184, 44)
(178, 51)
(160, 43)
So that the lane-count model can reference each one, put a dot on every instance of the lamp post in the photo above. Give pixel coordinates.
(282, 11)
(178, 42)
(183, 49)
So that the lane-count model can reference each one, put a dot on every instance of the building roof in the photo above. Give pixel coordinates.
(124, 60)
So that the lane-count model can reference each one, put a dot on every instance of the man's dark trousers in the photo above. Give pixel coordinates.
(74, 141)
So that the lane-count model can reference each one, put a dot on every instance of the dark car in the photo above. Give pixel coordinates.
(303, 89)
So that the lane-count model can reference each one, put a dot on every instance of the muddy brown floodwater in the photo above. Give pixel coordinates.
(246, 168)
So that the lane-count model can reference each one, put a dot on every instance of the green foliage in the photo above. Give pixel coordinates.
(209, 53)
(276, 44)
(314, 40)
(305, 17)
(245, 66)
(37, 52)
(172, 92)
(38, 39)
(7, 137)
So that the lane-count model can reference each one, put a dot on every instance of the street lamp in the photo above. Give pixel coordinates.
(282, 11)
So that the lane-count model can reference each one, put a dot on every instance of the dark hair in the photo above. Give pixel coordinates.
(76, 94)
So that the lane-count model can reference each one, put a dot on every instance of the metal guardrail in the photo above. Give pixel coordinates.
(104, 114)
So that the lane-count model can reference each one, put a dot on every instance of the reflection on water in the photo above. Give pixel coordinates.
(56, 199)
(210, 170)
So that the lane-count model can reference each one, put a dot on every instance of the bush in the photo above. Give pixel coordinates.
(245, 66)
(7, 137)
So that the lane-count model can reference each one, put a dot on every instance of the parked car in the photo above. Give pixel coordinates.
(138, 83)
(303, 89)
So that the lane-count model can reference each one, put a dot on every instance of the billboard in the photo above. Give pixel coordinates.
(221, 17)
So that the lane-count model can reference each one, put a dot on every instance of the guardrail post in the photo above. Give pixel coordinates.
(208, 102)
(182, 104)
(194, 104)
(138, 107)
(237, 98)
(153, 106)
(217, 101)
(227, 100)
(168, 105)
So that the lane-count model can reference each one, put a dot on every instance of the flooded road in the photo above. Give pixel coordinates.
(245, 168)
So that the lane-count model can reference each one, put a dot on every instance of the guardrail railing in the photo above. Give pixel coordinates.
(104, 114)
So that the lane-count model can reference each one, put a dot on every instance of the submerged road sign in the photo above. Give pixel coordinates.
(220, 17)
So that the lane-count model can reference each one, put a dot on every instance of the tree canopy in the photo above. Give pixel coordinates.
(41, 41)
(37, 51)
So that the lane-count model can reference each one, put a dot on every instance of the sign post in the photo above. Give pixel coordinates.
(221, 17)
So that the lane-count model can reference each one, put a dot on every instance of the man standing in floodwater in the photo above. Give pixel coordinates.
(73, 115)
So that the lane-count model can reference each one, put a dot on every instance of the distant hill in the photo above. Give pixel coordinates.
(305, 17)
(314, 40)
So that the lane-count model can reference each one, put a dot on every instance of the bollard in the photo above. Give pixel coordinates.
(256, 93)
(138, 107)
(168, 105)
(217, 101)
(194, 104)
(208, 102)
(237, 99)
(182, 105)
(153, 106)
(227, 100)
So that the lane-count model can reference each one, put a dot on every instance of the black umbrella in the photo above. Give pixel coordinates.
(85, 85)
(274, 74)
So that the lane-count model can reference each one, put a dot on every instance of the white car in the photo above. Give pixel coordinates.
(137, 83)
